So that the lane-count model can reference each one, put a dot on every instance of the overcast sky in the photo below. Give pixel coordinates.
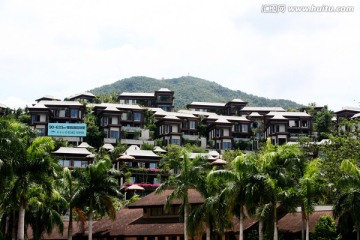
(65, 47)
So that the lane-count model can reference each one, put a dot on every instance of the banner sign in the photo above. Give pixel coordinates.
(67, 129)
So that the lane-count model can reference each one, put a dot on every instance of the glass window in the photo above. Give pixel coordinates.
(40, 132)
(64, 163)
(137, 116)
(244, 128)
(175, 141)
(77, 164)
(114, 134)
(226, 145)
(192, 124)
(73, 113)
(152, 165)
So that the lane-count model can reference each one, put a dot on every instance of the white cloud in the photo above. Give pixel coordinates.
(64, 47)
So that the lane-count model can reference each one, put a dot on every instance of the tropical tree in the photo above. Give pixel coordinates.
(97, 190)
(311, 189)
(190, 173)
(29, 164)
(205, 217)
(236, 190)
(347, 204)
(44, 212)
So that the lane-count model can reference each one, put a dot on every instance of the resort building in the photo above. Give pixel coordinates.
(162, 98)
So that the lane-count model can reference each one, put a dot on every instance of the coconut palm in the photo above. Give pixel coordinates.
(97, 190)
(236, 190)
(347, 205)
(44, 212)
(205, 217)
(190, 173)
(310, 189)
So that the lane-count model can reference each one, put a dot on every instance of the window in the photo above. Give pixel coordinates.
(126, 101)
(64, 163)
(175, 141)
(304, 123)
(105, 121)
(244, 128)
(152, 165)
(40, 132)
(137, 116)
(156, 181)
(132, 180)
(192, 124)
(114, 134)
(35, 118)
(74, 113)
(226, 145)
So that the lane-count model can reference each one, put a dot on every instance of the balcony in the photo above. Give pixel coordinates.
(191, 137)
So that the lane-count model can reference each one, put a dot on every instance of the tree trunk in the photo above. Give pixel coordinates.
(90, 224)
(261, 230)
(208, 233)
(70, 225)
(13, 231)
(302, 229)
(21, 224)
(307, 229)
(275, 224)
(357, 235)
(185, 221)
(241, 231)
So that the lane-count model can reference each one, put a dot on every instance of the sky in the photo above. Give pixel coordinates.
(64, 47)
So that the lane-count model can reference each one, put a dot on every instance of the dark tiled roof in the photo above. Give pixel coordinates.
(291, 222)
(56, 234)
(159, 199)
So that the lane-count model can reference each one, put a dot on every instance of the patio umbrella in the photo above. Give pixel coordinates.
(125, 157)
(219, 162)
(135, 187)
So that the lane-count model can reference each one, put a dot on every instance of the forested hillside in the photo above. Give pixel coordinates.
(189, 89)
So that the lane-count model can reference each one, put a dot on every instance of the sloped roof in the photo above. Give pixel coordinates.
(270, 109)
(347, 108)
(59, 103)
(160, 199)
(84, 145)
(47, 97)
(3, 105)
(136, 94)
(72, 150)
(116, 105)
(141, 153)
(89, 94)
(292, 222)
(164, 90)
(208, 104)
(108, 146)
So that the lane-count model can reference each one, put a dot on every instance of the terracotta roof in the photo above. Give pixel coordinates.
(160, 199)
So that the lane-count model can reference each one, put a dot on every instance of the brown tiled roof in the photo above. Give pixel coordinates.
(159, 199)
(291, 222)
(56, 234)
(129, 222)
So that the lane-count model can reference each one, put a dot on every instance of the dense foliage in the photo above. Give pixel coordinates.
(187, 90)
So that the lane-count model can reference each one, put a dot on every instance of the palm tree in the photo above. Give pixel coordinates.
(97, 190)
(190, 173)
(237, 180)
(37, 168)
(205, 217)
(44, 212)
(67, 189)
(311, 188)
(347, 205)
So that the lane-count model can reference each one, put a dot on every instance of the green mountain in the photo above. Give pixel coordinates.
(191, 89)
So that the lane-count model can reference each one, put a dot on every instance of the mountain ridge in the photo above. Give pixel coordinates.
(186, 90)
